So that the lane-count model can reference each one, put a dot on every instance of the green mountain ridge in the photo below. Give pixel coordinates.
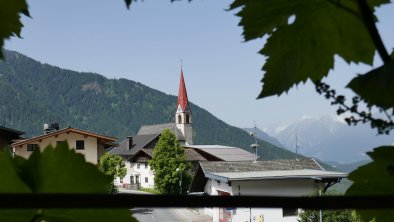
(32, 93)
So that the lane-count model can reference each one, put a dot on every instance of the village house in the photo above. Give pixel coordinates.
(91, 145)
(296, 177)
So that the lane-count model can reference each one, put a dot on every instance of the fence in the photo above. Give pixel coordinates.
(19, 201)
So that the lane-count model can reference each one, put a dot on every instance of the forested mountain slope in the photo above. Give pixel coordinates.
(32, 93)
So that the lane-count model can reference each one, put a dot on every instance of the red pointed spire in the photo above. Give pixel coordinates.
(183, 102)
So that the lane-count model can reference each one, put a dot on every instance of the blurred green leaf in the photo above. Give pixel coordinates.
(305, 48)
(11, 183)
(62, 170)
(56, 170)
(375, 178)
(10, 24)
(376, 87)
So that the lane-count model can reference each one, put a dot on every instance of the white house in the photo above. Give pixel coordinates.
(137, 151)
(266, 178)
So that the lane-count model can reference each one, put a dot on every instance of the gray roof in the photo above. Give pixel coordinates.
(277, 174)
(158, 128)
(267, 169)
(225, 153)
(139, 142)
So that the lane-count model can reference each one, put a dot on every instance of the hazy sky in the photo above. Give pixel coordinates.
(147, 43)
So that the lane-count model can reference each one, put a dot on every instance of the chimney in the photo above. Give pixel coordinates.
(130, 140)
(46, 128)
(49, 128)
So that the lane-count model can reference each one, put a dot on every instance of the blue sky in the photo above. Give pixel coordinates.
(147, 43)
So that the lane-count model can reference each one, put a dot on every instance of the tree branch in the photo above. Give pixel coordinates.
(369, 21)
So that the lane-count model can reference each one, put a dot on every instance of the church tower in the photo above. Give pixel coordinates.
(183, 115)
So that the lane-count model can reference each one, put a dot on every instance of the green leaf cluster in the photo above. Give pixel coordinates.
(112, 165)
(305, 48)
(375, 178)
(343, 215)
(169, 164)
(55, 170)
(10, 24)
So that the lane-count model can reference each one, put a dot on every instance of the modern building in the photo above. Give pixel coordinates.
(296, 177)
(91, 145)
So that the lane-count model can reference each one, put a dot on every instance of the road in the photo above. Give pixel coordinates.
(153, 214)
(156, 215)
(164, 214)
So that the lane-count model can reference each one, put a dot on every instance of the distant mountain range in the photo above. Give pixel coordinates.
(32, 93)
(329, 139)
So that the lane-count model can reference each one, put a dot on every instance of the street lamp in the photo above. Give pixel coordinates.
(180, 181)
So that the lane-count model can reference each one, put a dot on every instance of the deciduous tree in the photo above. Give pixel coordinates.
(168, 156)
(114, 166)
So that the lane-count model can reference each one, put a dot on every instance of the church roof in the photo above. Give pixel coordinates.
(225, 153)
(183, 102)
(158, 128)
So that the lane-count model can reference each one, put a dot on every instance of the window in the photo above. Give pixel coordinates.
(146, 165)
(138, 165)
(290, 212)
(80, 145)
(179, 119)
(187, 118)
(137, 179)
(32, 147)
(146, 179)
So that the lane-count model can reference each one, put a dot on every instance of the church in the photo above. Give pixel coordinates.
(137, 150)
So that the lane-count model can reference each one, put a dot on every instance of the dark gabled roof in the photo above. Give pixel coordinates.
(9, 131)
(265, 165)
(158, 128)
(139, 142)
(191, 155)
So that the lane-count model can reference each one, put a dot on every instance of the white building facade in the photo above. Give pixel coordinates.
(289, 178)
